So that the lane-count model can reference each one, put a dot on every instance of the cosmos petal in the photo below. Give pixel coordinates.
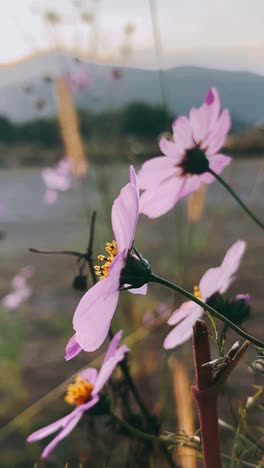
(125, 217)
(217, 163)
(72, 348)
(142, 290)
(51, 428)
(171, 150)
(183, 331)
(89, 374)
(72, 422)
(184, 311)
(217, 136)
(94, 312)
(161, 199)
(203, 119)
(219, 279)
(113, 356)
(156, 170)
(231, 264)
(182, 133)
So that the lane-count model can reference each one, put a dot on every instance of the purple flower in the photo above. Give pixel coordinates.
(213, 281)
(93, 315)
(193, 149)
(80, 79)
(58, 179)
(21, 290)
(84, 393)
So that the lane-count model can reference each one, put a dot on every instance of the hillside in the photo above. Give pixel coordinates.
(22, 87)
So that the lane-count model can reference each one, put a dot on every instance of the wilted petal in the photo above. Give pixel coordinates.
(217, 136)
(125, 217)
(217, 163)
(94, 312)
(182, 133)
(156, 170)
(72, 349)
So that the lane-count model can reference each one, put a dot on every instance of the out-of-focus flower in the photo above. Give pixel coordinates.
(80, 79)
(58, 179)
(236, 309)
(193, 149)
(115, 74)
(84, 393)
(21, 290)
(93, 315)
(213, 281)
(150, 317)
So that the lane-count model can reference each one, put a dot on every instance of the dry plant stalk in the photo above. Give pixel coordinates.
(69, 127)
(195, 204)
(184, 406)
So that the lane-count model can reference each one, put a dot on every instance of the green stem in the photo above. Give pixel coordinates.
(137, 432)
(181, 440)
(156, 279)
(145, 436)
(239, 201)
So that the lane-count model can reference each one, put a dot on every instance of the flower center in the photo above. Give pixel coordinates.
(112, 250)
(78, 392)
(197, 292)
(194, 162)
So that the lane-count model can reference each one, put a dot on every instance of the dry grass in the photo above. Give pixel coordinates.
(184, 410)
(69, 126)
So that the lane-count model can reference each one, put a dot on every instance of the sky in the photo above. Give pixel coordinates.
(226, 34)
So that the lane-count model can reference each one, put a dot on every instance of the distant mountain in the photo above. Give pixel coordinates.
(26, 93)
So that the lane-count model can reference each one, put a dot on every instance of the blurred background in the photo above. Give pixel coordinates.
(86, 88)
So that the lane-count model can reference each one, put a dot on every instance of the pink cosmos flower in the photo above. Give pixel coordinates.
(93, 315)
(21, 290)
(213, 281)
(193, 149)
(58, 179)
(84, 393)
(80, 79)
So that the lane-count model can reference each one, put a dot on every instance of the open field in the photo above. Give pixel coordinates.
(33, 338)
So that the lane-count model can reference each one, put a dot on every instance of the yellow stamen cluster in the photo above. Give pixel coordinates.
(78, 392)
(197, 292)
(112, 249)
